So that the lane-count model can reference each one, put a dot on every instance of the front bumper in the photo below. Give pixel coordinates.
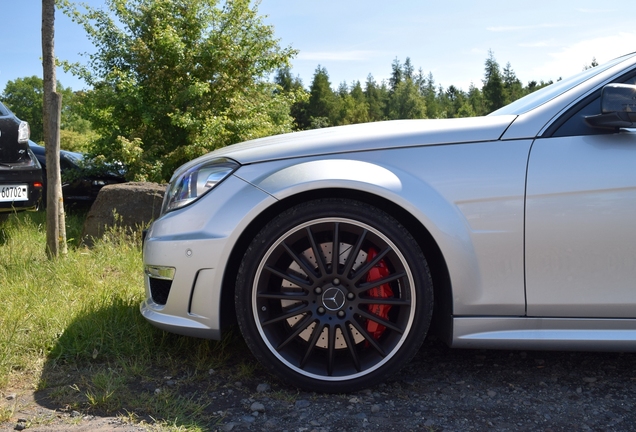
(185, 256)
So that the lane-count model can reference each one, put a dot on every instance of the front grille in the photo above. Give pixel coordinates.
(159, 290)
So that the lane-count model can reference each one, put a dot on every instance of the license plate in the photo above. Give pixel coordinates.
(14, 193)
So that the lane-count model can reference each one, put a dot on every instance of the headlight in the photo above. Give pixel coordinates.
(191, 184)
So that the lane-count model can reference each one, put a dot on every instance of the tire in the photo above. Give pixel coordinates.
(334, 328)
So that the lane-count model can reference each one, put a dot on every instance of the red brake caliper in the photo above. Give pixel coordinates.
(378, 271)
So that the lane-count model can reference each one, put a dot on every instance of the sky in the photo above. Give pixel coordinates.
(542, 40)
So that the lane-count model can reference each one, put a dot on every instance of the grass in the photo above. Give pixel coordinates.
(71, 328)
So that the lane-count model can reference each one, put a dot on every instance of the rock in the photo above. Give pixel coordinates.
(302, 404)
(130, 206)
(258, 407)
(263, 388)
(248, 419)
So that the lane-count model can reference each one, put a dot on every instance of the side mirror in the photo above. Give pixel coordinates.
(618, 107)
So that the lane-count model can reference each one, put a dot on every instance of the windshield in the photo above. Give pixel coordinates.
(545, 94)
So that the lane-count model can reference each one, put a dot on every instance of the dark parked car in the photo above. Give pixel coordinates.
(80, 182)
(20, 171)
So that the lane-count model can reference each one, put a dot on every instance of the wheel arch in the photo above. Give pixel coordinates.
(441, 324)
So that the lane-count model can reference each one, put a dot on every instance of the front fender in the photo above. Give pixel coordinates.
(477, 223)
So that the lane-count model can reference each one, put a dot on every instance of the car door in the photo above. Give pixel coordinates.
(580, 234)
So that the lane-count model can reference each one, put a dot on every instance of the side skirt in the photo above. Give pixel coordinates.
(577, 334)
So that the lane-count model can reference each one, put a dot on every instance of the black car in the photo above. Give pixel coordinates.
(80, 181)
(20, 172)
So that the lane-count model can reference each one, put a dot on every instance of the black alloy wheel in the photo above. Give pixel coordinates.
(334, 295)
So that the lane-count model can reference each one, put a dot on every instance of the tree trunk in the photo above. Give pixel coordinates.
(55, 221)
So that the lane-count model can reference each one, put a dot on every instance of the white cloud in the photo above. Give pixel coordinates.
(571, 59)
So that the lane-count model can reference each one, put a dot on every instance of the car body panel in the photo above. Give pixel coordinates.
(476, 220)
(365, 137)
(196, 248)
(581, 334)
(580, 230)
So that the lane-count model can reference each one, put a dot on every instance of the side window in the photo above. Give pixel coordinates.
(65, 163)
(576, 125)
(573, 123)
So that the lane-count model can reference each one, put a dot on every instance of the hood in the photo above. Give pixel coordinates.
(367, 136)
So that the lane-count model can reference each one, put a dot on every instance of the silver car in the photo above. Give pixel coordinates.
(338, 250)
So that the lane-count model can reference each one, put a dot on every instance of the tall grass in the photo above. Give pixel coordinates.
(82, 311)
(68, 308)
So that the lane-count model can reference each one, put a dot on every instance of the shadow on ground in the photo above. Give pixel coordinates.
(152, 377)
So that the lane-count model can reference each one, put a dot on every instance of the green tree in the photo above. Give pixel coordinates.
(406, 102)
(376, 97)
(493, 90)
(427, 89)
(452, 99)
(293, 87)
(476, 105)
(408, 70)
(322, 109)
(512, 85)
(396, 75)
(353, 106)
(174, 79)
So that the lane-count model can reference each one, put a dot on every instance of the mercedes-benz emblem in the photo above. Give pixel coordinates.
(333, 298)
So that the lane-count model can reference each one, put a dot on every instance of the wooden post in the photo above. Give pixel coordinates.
(55, 220)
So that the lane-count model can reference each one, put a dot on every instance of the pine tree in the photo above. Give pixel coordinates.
(427, 89)
(408, 69)
(293, 86)
(476, 102)
(396, 75)
(493, 90)
(406, 102)
(375, 97)
(322, 106)
(512, 85)
(354, 107)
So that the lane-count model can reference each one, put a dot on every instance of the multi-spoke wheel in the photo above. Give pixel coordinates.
(334, 295)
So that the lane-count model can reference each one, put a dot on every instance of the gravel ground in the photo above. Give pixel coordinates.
(440, 390)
